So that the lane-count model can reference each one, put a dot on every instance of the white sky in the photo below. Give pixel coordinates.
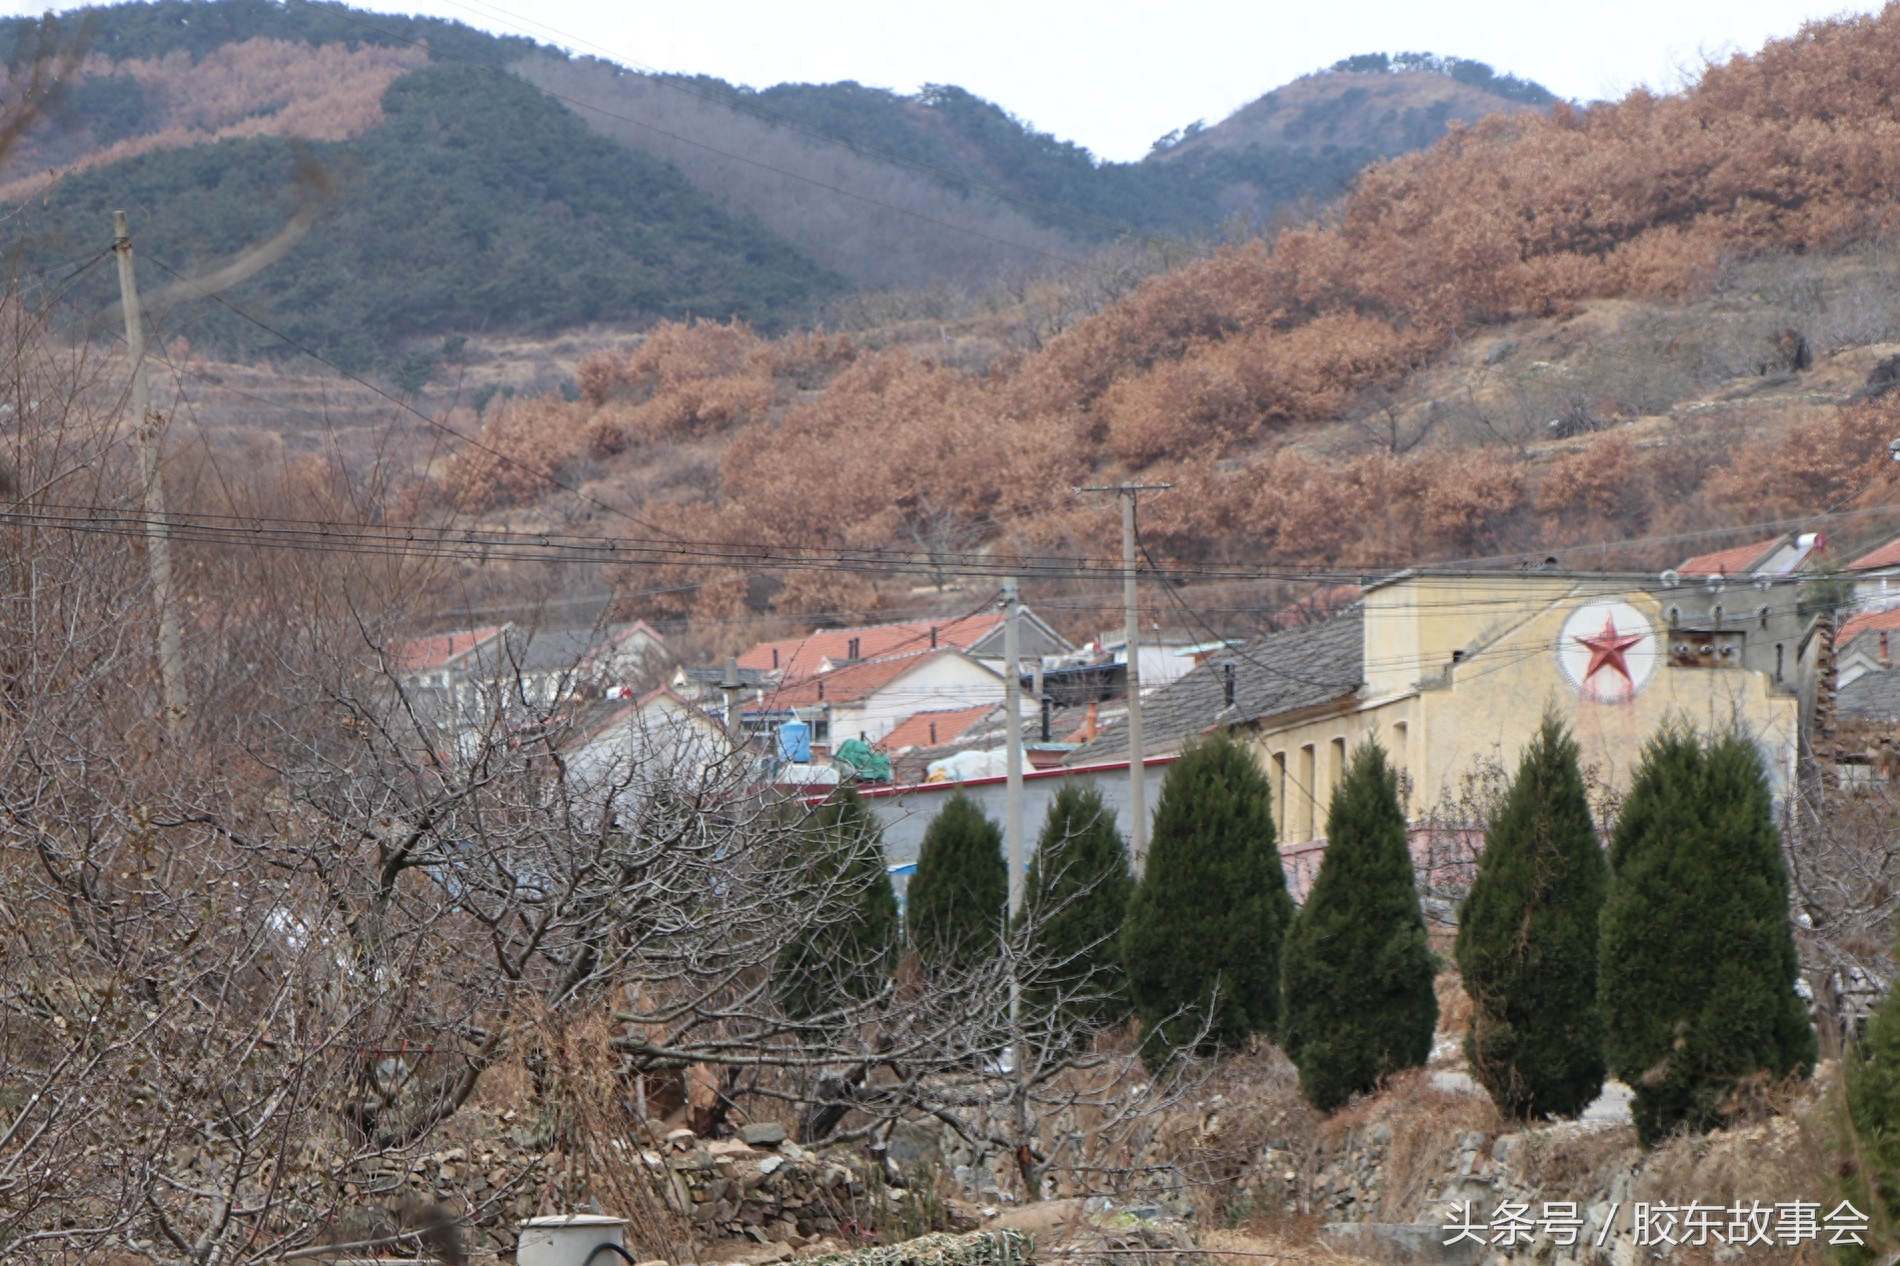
(1113, 74)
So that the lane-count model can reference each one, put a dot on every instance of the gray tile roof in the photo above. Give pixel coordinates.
(1870, 697)
(1281, 672)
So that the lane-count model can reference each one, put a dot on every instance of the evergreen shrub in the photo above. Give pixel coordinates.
(1207, 920)
(1077, 896)
(959, 896)
(1527, 940)
(1358, 976)
(847, 953)
(1697, 965)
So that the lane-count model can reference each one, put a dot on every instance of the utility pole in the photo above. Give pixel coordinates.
(1013, 842)
(1137, 770)
(733, 689)
(158, 546)
(1013, 747)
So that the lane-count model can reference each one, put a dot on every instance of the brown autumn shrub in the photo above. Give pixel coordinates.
(1206, 375)
(528, 446)
(1825, 464)
(1593, 491)
(256, 87)
(684, 380)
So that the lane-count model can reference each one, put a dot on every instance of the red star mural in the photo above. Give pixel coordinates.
(1607, 648)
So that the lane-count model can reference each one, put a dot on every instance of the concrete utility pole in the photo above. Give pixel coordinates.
(733, 689)
(158, 546)
(1137, 771)
(1013, 747)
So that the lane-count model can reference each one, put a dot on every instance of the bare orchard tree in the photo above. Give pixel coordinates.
(1012, 1054)
(1844, 864)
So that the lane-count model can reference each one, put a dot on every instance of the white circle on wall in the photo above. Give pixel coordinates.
(1608, 650)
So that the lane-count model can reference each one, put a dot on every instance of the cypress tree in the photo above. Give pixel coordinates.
(1077, 893)
(1527, 940)
(847, 954)
(1697, 970)
(960, 894)
(1359, 971)
(1206, 923)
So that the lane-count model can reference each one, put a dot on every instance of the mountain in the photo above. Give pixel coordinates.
(475, 203)
(1367, 104)
(1610, 335)
(475, 182)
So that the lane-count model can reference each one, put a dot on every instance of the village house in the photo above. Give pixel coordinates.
(658, 738)
(867, 698)
(1876, 578)
(980, 636)
(467, 673)
(1451, 671)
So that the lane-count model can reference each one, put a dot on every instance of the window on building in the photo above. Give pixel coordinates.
(1279, 790)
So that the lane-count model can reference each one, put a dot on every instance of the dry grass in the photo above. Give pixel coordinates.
(1426, 1124)
(1289, 1240)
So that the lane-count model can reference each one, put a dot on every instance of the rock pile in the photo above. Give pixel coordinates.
(759, 1185)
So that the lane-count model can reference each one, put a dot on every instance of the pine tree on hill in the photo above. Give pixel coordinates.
(1358, 976)
(848, 953)
(1077, 894)
(1527, 940)
(1697, 967)
(1207, 919)
(959, 896)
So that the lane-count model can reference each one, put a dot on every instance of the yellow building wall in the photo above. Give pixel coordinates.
(1438, 720)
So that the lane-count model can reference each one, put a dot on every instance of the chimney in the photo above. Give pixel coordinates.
(775, 658)
(821, 692)
(933, 637)
(1089, 721)
(851, 649)
(1227, 685)
(933, 733)
(1045, 720)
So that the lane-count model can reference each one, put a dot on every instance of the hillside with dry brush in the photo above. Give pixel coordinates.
(1653, 316)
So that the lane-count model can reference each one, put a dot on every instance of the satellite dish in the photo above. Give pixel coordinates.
(1671, 578)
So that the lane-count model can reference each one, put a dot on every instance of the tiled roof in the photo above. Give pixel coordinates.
(800, 656)
(1870, 697)
(424, 654)
(1281, 672)
(847, 684)
(1873, 621)
(1887, 555)
(1730, 562)
(934, 729)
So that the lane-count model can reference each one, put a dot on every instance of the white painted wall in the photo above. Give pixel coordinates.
(905, 813)
(662, 739)
(936, 683)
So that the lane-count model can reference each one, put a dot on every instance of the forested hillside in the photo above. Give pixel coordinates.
(1663, 315)
(693, 196)
(477, 203)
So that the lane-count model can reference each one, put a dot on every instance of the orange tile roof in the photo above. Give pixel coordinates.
(1885, 556)
(933, 729)
(1730, 562)
(846, 684)
(424, 653)
(800, 656)
(1873, 621)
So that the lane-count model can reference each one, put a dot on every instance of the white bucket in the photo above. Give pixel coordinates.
(569, 1239)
